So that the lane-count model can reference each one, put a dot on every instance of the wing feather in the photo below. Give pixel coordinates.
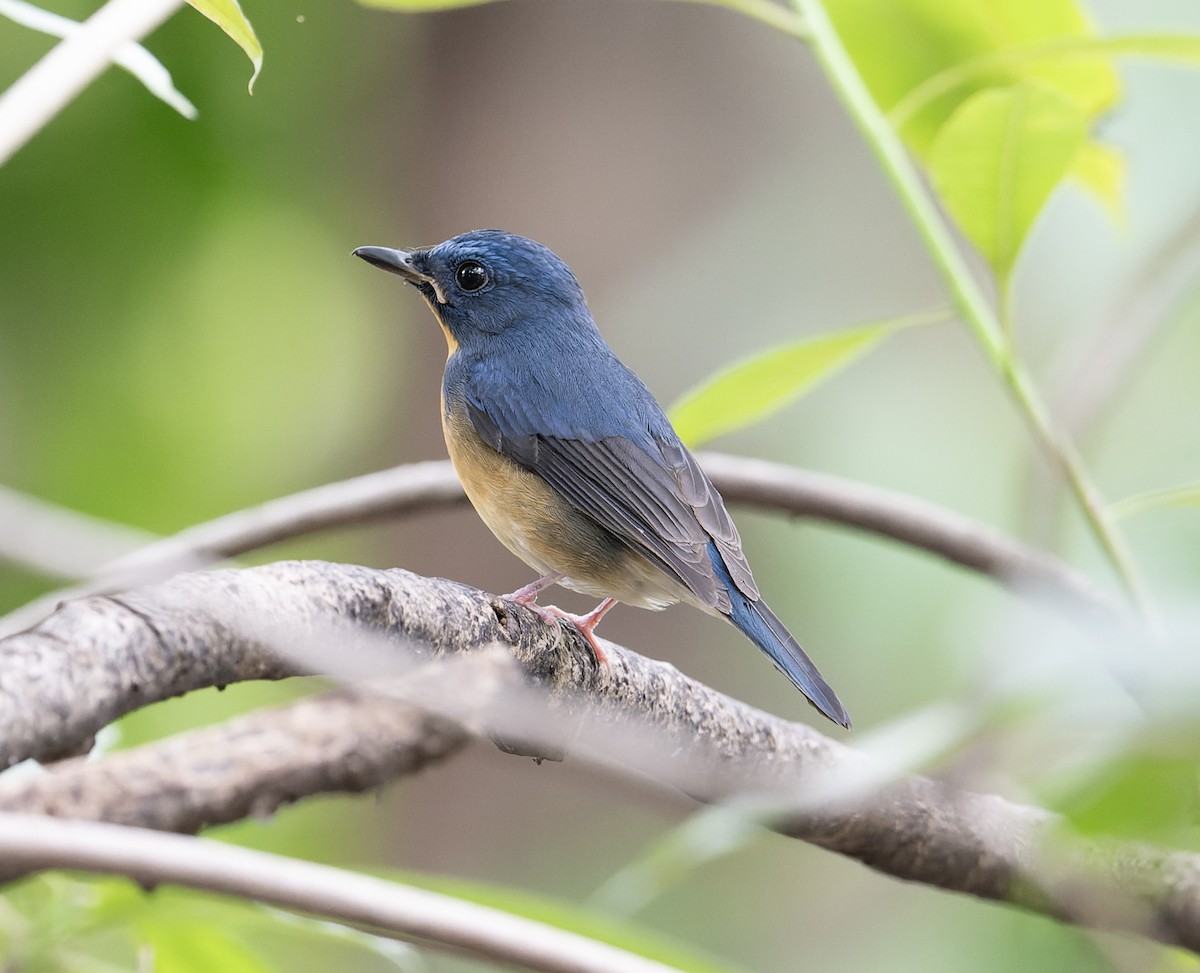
(654, 496)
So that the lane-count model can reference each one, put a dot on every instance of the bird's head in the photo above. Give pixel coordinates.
(486, 282)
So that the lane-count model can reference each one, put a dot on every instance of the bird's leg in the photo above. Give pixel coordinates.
(527, 598)
(586, 624)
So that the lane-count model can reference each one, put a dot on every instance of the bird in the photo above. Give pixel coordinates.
(567, 456)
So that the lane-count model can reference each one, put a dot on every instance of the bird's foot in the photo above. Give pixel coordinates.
(550, 614)
(584, 624)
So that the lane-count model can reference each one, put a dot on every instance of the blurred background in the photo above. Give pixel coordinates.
(183, 332)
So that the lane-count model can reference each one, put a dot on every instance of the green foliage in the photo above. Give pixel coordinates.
(227, 14)
(750, 390)
(997, 159)
(1146, 796)
(1012, 87)
(604, 928)
(1180, 496)
(710, 833)
(52, 924)
(900, 45)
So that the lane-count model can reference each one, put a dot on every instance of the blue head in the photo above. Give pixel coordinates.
(487, 282)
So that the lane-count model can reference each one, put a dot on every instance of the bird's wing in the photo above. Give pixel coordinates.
(653, 496)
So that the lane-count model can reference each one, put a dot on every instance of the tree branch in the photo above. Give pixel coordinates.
(665, 726)
(39, 94)
(339, 742)
(771, 486)
(59, 542)
(37, 843)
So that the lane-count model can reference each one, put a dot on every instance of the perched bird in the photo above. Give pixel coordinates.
(567, 456)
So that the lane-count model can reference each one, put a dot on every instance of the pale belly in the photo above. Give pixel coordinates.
(546, 532)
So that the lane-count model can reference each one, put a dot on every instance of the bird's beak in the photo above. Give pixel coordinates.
(400, 262)
(393, 261)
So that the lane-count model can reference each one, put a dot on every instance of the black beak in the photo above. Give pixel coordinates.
(393, 261)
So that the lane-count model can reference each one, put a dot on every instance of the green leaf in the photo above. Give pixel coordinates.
(572, 918)
(754, 388)
(1187, 495)
(227, 14)
(1045, 61)
(1146, 796)
(710, 833)
(899, 46)
(132, 57)
(1100, 169)
(997, 160)
(194, 947)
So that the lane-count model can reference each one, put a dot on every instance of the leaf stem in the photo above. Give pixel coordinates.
(976, 310)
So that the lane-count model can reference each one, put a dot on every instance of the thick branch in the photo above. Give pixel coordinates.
(662, 724)
(771, 486)
(33, 843)
(342, 741)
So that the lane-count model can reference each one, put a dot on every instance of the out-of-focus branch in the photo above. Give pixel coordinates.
(909, 520)
(36, 843)
(1093, 371)
(39, 94)
(343, 741)
(59, 542)
(771, 486)
(685, 735)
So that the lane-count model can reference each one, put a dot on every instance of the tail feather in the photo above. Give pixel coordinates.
(765, 630)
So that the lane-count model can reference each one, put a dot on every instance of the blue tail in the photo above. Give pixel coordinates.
(766, 631)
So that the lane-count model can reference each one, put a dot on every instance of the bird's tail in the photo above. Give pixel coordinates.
(766, 631)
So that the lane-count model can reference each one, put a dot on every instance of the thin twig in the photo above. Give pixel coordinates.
(389, 908)
(39, 94)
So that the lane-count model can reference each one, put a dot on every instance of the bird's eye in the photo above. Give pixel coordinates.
(471, 275)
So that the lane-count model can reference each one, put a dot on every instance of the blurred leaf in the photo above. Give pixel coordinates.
(1100, 169)
(580, 920)
(900, 45)
(132, 57)
(998, 158)
(752, 389)
(199, 947)
(1180, 496)
(227, 14)
(768, 11)
(1145, 796)
(710, 833)
(419, 6)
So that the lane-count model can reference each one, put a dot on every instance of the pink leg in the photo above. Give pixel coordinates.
(527, 596)
(586, 624)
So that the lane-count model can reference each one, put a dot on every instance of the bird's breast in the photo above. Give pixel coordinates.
(543, 529)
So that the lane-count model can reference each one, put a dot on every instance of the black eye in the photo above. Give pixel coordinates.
(471, 275)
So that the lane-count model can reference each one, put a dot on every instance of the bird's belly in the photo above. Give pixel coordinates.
(545, 531)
